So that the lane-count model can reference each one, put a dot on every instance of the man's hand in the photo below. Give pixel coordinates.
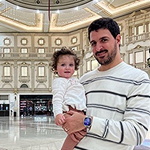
(74, 123)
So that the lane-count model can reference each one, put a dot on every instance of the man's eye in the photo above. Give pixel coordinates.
(104, 40)
(93, 44)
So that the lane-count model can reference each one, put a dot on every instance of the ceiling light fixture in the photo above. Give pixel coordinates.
(57, 1)
(38, 2)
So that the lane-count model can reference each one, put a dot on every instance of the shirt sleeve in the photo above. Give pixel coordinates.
(58, 90)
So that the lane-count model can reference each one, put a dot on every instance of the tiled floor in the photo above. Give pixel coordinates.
(35, 133)
(30, 133)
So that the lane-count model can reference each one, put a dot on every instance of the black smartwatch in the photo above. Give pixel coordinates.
(87, 122)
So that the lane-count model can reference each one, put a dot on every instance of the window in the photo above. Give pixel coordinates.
(24, 71)
(24, 41)
(41, 41)
(147, 54)
(139, 57)
(74, 40)
(41, 50)
(88, 66)
(131, 58)
(24, 50)
(7, 41)
(122, 40)
(58, 41)
(41, 70)
(140, 29)
(6, 50)
(74, 48)
(120, 27)
(4, 97)
(7, 71)
(94, 64)
(23, 86)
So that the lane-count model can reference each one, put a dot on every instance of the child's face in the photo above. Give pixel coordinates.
(65, 66)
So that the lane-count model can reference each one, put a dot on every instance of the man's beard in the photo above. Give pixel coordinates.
(109, 58)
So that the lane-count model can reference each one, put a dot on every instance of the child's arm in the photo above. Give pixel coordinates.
(60, 119)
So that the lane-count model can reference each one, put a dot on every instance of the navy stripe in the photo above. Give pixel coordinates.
(139, 95)
(117, 79)
(102, 91)
(106, 129)
(95, 136)
(80, 148)
(143, 126)
(138, 110)
(105, 107)
(137, 136)
(114, 93)
(122, 132)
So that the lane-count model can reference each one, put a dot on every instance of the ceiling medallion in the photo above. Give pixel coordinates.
(54, 4)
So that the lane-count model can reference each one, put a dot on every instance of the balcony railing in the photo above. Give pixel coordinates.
(137, 38)
(17, 55)
(29, 56)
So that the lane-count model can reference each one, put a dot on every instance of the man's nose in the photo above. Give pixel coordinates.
(99, 47)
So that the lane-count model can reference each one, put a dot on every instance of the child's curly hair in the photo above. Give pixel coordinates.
(64, 51)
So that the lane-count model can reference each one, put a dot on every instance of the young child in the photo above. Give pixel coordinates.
(68, 93)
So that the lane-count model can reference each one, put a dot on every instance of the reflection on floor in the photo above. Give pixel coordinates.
(36, 133)
(30, 133)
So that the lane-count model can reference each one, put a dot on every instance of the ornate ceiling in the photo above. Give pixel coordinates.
(62, 15)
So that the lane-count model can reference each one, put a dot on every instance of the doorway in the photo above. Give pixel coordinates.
(31, 105)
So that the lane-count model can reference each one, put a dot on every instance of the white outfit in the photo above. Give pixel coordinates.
(67, 92)
(119, 101)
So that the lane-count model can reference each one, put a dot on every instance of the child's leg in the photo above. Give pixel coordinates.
(73, 139)
(69, 144)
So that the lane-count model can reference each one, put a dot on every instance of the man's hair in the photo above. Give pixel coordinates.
(62, 52)
(104, 23)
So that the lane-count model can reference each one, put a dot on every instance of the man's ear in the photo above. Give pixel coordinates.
(118, 38)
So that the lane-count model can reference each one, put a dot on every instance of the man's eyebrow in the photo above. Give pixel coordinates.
(99, 39)
(92, 41)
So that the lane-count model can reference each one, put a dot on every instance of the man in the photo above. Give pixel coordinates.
(118, 96)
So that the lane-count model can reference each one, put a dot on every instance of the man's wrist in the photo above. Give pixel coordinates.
(88, 122)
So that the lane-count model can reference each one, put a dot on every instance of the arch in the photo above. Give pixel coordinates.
(24, 86)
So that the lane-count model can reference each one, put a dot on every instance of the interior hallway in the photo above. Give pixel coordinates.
(36, 133)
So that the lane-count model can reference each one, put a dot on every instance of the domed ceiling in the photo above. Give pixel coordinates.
(61, 15)
(43, 4)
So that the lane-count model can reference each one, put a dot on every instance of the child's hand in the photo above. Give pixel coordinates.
(60, 119)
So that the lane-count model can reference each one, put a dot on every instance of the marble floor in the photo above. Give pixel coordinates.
(36, 133)
(30, 133)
